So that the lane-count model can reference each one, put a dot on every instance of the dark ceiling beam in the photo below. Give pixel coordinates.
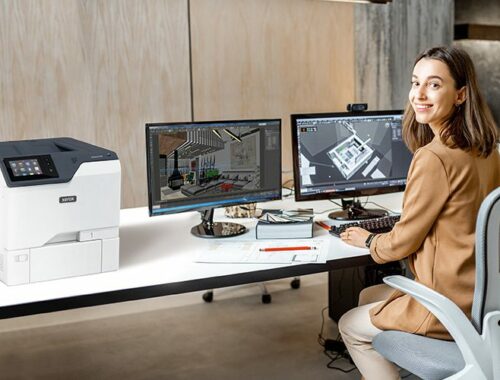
(477, 32)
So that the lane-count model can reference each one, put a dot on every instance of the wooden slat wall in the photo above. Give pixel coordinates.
(96, 71)
(271, 58)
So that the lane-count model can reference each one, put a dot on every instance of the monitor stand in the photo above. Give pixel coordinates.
(352, 210)
(210, 229)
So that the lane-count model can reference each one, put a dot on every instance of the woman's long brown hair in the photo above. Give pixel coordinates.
(471, 126)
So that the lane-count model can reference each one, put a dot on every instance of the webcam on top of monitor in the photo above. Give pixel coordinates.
(357, 107)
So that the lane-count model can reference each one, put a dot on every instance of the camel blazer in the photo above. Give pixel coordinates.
(445, 188)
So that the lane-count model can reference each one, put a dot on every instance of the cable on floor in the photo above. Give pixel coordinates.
(333, 349)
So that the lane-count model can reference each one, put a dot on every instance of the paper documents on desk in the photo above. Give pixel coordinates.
(265, 252)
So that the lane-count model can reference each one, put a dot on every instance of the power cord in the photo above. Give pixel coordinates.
(334, 349)
(382, 207)
(291, 193)
(367, 200)
(335, 203)
(286, 183)
(289, 188)
(324, 211)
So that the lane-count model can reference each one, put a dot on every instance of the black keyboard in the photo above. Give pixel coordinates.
(377, 226)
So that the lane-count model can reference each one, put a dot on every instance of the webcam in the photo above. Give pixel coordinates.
(357, 107)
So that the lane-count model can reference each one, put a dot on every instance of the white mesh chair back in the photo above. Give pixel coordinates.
(486, 296)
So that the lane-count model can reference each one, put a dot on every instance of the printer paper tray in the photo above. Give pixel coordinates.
(59, 260)
(65, 260)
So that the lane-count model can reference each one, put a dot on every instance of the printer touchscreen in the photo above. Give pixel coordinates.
(25, 167)
(30, 168)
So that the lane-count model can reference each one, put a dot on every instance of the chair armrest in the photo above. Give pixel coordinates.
(451, 316)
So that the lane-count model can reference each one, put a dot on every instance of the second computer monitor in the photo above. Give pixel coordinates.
(341, 155)
(198, 166)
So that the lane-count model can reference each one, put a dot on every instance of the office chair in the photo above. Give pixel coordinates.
(208, 296)
(475, 353)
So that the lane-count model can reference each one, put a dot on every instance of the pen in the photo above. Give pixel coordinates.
(273, 249)
(324, 225)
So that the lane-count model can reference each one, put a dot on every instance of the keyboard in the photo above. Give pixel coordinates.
(377, 226)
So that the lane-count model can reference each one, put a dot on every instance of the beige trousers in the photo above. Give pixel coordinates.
(357, 333)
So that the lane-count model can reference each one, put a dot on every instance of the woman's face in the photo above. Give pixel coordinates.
(433, 94)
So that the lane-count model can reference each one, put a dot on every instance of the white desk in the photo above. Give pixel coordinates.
(157, 258)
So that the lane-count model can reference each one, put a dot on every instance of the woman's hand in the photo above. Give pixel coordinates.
(355, 236)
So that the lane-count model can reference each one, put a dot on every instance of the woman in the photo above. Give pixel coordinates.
(450, 130)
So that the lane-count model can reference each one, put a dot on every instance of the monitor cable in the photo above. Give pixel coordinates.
(383, 207)
(328, 210)
(290, 194)
(291, 189)
(335, 203)
(334, 349)
(286, 183)
(339, 207)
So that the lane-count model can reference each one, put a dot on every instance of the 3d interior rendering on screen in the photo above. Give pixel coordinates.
(209, 161)
(210, 164)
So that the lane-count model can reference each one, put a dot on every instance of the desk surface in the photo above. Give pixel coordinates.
(157, 258)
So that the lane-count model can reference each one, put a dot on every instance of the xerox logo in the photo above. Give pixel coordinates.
(67, 199)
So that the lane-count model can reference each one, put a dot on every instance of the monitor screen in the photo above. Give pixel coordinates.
(338, 155)
(202, 165)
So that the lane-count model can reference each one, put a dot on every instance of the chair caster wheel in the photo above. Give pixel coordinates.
(208, 296)
(266, 298)
(295, 284)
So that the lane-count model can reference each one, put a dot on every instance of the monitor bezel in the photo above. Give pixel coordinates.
(343, 194)
(148, 127)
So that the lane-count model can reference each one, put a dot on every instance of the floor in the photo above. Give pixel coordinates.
(179, 337)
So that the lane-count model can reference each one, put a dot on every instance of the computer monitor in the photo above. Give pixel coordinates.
(349, 155)
(203, 165)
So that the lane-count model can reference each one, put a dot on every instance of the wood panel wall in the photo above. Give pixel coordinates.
(271, 58)
(95, 70)
(98, 70)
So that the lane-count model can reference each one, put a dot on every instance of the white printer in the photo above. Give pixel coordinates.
(59, 210)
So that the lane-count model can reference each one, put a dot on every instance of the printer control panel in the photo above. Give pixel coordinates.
(30, 168)
(46, 161)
